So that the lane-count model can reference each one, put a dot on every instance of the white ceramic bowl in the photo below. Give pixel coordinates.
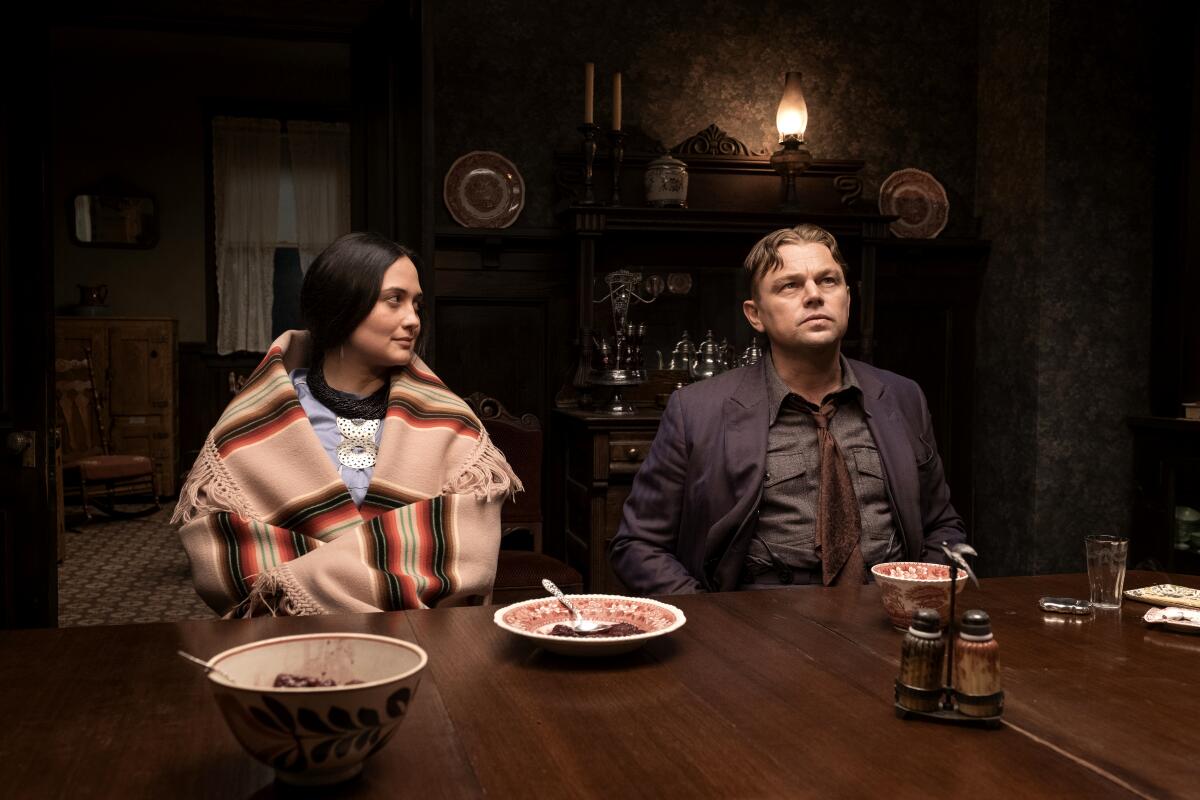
(317, 735)
(909, 585)
(534, 619)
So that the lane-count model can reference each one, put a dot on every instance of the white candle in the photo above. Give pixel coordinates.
(616, 101)
(589, 79)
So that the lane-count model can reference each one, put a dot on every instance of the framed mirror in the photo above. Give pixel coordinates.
(111, 216)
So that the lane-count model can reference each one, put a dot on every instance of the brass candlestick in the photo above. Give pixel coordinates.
(616, 145)
(589, 131)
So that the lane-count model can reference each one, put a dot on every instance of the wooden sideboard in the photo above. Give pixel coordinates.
(600, 454)
(922, 321)
(134, 364)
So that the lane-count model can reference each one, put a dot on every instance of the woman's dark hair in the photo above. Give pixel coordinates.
(342, 286)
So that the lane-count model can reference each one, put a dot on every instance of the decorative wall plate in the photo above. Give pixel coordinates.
(918, 199)
(483, 189)
(679, 282)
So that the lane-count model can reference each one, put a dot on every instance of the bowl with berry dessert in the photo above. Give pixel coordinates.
(314, 707)
(906, 586)
(626, 623)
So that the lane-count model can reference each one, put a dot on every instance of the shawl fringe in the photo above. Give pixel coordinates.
(209, 489)
(277, 593)
(485, 474)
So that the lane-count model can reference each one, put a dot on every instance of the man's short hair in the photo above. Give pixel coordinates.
(764, 256)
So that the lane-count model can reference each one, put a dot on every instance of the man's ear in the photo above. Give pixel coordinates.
(750, 309)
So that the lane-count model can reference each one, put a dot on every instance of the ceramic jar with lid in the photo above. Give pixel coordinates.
(666, 182)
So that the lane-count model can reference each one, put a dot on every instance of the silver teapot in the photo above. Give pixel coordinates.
(752, 354)
(709, 362)
(683, 354)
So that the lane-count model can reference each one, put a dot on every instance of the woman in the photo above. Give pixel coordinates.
(345, 476)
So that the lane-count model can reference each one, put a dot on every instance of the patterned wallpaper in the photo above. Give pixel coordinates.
(1011, 201)
(892, 84)
(1033, 114)
(1065, 193)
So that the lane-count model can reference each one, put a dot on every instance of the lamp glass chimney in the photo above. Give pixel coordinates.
(792, 116)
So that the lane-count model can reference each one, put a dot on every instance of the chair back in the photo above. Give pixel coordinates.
(520, 439)
(519, 573)
(78, 408)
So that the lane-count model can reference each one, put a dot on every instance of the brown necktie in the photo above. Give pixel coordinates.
(838, 523)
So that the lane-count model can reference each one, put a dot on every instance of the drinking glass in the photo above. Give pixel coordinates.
(1106, 569)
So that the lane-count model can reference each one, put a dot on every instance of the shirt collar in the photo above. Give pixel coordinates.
(778, 391)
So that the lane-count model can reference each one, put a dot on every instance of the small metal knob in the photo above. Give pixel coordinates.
(18, 442)
(633, 453)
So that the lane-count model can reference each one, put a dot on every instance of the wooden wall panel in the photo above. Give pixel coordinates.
(496, 347)
(504, 315)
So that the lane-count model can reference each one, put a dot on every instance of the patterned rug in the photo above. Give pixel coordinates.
(118, 572)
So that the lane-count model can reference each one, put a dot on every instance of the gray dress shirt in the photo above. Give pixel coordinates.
(787, 522)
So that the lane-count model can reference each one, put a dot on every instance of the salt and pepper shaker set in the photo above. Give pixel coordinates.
(972, 690)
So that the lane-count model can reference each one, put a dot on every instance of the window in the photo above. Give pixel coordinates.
(281, 191)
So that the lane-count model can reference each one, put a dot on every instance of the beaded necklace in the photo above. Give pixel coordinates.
(358, 419)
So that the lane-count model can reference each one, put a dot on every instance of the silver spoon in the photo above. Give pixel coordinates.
(580, 624)
(207, 668)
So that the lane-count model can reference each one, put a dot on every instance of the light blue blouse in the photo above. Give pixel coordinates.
(324, 423)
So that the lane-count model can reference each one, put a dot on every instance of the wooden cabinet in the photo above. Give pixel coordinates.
(927, 291)
(917, 317)
(601, 454)
(133, 361)
(1166, 468)
(207, 382)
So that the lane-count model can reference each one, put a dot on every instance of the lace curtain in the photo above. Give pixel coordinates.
(320, 154)
(247, 161)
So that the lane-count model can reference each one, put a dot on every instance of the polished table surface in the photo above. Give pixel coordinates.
(762, 694)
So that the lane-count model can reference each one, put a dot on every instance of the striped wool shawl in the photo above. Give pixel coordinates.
(270, 527)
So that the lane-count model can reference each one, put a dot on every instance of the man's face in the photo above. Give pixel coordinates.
(804, 305)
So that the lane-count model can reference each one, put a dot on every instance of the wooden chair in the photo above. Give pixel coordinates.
(519, 573)
(87, 461)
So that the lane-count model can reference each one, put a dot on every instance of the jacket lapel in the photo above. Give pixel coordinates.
(899, 462)
(744, 415)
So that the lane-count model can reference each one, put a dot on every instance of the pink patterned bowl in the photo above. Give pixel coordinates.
(534, 619)
(909, 585)
(321, 734)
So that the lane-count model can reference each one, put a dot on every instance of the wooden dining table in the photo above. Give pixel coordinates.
(782, 693)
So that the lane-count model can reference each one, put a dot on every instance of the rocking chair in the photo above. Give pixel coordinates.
(88, 463)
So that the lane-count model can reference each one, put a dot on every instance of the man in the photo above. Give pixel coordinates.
(807, 467)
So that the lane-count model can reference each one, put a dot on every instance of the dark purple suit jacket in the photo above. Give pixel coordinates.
(692, 511)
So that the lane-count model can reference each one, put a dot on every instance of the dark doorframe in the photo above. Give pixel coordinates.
(398, 155)
(393, 185)
(1175, 343)
(28, 511)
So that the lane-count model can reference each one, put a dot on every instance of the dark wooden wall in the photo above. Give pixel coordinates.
(504, 314)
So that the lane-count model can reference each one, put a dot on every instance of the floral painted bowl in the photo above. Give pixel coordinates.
(322, 734)
(909, 585)
(534, 619)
